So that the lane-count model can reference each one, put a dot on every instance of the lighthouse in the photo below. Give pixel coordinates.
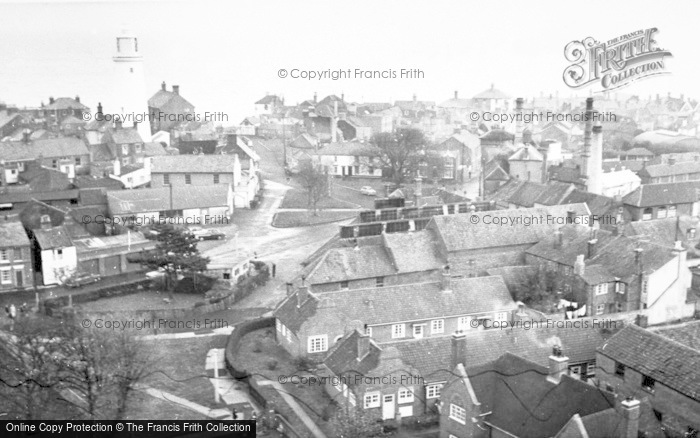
(130, 85)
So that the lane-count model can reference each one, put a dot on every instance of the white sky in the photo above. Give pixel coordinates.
(225, 55)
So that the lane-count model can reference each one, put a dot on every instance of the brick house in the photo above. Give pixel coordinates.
(349, 159)
(16, 271)
(308, 323)
(461, 154)
(670, 172)
(610, 273)
(528, 164)
(67, 154)
(641, 363)
(660, 201)
(195, 170)
(125, 145)
(168, 109)
(54, 254)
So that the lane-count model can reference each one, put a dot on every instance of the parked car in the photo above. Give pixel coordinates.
(369, 191)
(81, 280)
(206, 233)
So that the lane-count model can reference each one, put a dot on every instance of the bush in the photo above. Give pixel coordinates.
(271, 364)
(257, 346)
(303, 363)
(199, 304)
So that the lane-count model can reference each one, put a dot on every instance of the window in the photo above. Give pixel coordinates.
(188, 178)
(368, 331)
(372, 399)
(125, 149)
(433, 390)
(619, 307)
(6, 277)
(137, 147)
(619, 369)
(437, 326)
(166, 178)
(59, 254)
(4, 255)
(601, 289)
(227, 275)
(600, 309)
(590, 369)
(646, 215)
(458, 413)
(380, 281)
(661, 213)
(575, 369)
(648, 383)
(77, 161)
(501, 316)
(351, 398)
(344, 285)
(54, 163)
(463, 323)
(449, 172)
(690, 233)
(398, 331)
(318, 344)
(216, 178)
(418, 330)
(406, 395)
(672, 211)
(620, 287)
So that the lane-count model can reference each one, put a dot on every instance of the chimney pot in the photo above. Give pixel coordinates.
(558, 365)
(446, 284)
(162, 86)
(77, 99)
(176, 89)
(456, 95)
(99, 108)
(51, 100)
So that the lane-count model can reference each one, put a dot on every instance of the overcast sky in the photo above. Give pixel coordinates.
(225, 55)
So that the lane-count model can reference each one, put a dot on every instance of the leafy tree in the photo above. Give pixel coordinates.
(315, 181)
(176, 255)
(401, 151)
(355, 422)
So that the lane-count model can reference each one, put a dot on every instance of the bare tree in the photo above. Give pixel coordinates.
(315, 181)
(400, 151)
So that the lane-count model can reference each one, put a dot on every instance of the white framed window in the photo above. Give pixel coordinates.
(501, 316)
(6, 277)
(458, 413)
(433, 390)
(619, 287)
(575, 369)
(661, 213)
(318, 344)
(4, 255)
(368, 331)
(278, 323)
(398, 331)
(418, 330)
(671, 211)
(590, 369)
(371, 400)
(600, 309)
(289, 335)
(463, 323)
(437, 326)
(125, 149)
(406, 395)
(344, 285)
(380, 282)
(601, 289)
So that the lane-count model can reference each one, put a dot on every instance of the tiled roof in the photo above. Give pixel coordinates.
(340, 264)
(6, 117)
(670, 363)
(598, 204)
(342, 359)
(292, 316)
(48, 148)
(185, 197)
(491, 93)
(12, 234)
(304, 141)
(554, 193)
(126, 135)
(461, 232)
(55, 237)
(193, 163)
(661, 170)
(638, 152)
(151, 149)
(139, 201)
(650, 195)
(43, 179)
(64, 103)
(618, 178)
(349, 149)
(526, 153)
(268, 100)
(88, 182)
(494, 172)
(608, 423)
(633, 165)
(513, 276)
(575, 240)
(413, 252)
(565, 174)
(498, 135)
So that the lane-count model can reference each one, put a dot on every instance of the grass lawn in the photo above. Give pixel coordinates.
(296, 198)
(291, 219)
(144, 407)
(259, 354)
(146, 300)
(180, 366)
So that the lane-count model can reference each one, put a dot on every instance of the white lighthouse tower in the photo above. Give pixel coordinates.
(130, 84)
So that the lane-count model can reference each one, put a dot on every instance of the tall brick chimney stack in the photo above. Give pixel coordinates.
(587, 131)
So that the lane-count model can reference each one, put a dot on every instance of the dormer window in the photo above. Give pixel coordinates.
(648, 383)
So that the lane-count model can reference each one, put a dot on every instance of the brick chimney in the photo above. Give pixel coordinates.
(570, 216)
(595, 161)
(456, 95)
(51, 100)
(290, 288)
(26, 136)
(162, 86)
(302, 295)
(587, 131)
(558, 239)
(592, 246)
(558, 365)
(99, 107)
(518, 122)
(315, 97)
(176, 89)
(362, 346)
(446, 280)
(77, 99)
(629, 427)
(459, 348)
(580, 265)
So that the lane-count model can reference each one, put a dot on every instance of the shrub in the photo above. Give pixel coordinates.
(271, 364)
(257, 346)
(199, 304)
(302, 363)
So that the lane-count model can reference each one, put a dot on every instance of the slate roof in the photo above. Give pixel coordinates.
(55, 237)
(497, 135)
(661, 170)
(292, 316)
(44, 179)
(126, 135)
(598, 204)
(494, 172)
(12, 234)
(151, 149)
(48, 148)
(650, 195)
(349, 149)
(513, 276)
(341, 264)
(269, 100)
(63, 103)
(526, 153)
(6, 117)
(304, 141)
(342, 358)
(138, 201)
(638, 151)
(413, 252)
(608, 423)
(459, 233)
(670, 363)
(88, 182)
(193, 163)
(554, 193)
(164, 97)
(491, 93)
(185, 197)
(687, 333)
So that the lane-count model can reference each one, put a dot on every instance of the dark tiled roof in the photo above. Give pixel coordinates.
(292, 316)
(350, 149)
(101, 152)
(687, 333)
(494, 172)
(88, 182)
(49, 148)
(565, 174)
(608, 423)
(650, 195)
(668, 362)
(633, 165)
(575, 240)
(342, 359)
(413, 252)
(498, 135)
(554, 193)
(458, 232)
(138, 201)
(638, 151)
(526, 153)
(64, 103)
(268, 100)
(193, 164)
(126, 135)
(12, 234)
(56, 237)
(340, 264)
(660, 170)
(598, 204)
(43, 179)
(185, 197)
(514, 276)
(151, 149)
